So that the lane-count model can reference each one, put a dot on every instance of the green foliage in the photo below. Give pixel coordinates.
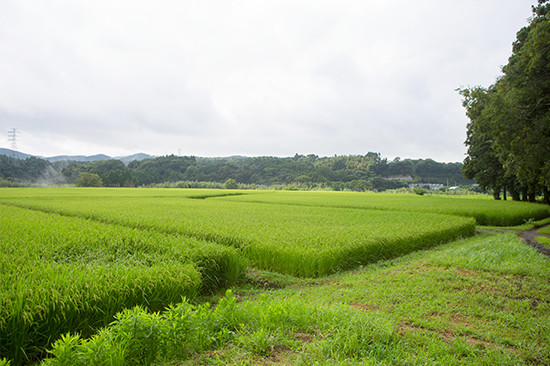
(419, 190)
(509, 131)
(138, 337)
(498, 253)
(231, 184)
(82, 255)
(482, 162)
(113, 173)
(432, 307)
(545, 230)
(162, 169)
(4, 183)
(544, 240)
(88, 180)
(486, 212)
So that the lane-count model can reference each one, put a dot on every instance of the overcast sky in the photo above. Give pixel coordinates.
(248, 77)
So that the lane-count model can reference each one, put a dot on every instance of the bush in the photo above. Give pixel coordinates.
(419, 190)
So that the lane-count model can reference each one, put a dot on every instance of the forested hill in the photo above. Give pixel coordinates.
(353, 172)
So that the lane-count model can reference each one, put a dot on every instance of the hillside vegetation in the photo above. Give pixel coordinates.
(353, 172)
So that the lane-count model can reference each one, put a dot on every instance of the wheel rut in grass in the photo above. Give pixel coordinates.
(530, 237)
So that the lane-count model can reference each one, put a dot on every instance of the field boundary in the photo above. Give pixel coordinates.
(205, 196)
(529, 237)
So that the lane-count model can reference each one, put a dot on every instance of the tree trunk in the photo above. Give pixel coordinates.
(524, 194)
(515, 194)
(504, 193)
(546, 195)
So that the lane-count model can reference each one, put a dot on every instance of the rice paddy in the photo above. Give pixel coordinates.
(73, 258)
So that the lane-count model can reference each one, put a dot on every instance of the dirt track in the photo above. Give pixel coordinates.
(529, 237)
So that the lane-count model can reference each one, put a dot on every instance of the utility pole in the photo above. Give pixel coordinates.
(12, 137)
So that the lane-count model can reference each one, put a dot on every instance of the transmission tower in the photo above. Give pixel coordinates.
(12, 137)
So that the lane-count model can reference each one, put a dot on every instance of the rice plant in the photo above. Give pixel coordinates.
(486, 212)
(60, 274)
(295, 239)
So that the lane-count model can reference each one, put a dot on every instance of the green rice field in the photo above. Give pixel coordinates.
(485, 211)
(72, 258)
(295, 239)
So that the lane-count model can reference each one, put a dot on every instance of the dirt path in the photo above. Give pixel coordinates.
(530, 236)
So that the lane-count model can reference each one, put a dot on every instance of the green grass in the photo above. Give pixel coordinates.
(545, 241)
(544, 230)
(430, 307)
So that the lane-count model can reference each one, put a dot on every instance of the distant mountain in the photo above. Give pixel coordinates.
(130, 158)
(84, 158)
(78, 158)
(14, 154)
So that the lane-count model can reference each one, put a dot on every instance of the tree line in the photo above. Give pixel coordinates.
(347, 172)
(13, 171)
(508, 136)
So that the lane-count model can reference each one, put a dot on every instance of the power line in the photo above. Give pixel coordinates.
(12, 137)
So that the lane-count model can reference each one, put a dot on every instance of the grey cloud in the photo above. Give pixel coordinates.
(248, 77)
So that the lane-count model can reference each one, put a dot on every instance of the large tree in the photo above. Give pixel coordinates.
(509, 131)
(482, 163)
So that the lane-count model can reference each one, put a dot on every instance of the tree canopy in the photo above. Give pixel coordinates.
(88, 180)
(508, 136)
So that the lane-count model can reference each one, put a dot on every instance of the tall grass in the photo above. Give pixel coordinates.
(139, 337)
